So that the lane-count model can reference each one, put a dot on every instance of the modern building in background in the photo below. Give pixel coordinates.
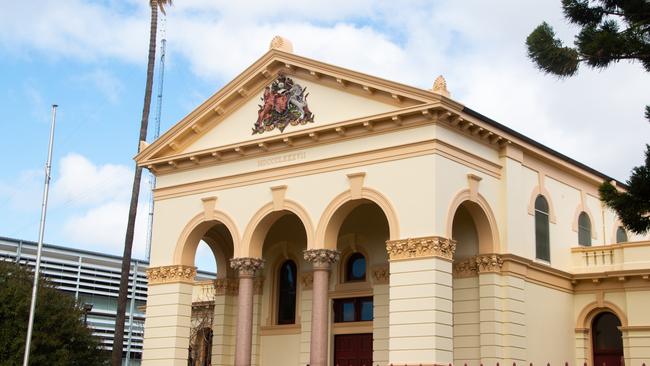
(94, 280)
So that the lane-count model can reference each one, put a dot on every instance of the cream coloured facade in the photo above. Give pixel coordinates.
(381, 223)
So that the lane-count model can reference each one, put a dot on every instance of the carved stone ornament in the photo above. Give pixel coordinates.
(429, 246)
(246, 266)
(478, 264)
(284, 103)
(226, 286)
(307, 280)
(321, 257)
(258, 286)
(489, 263)
(281, 43)
(175, 273)
(440, 86)
(381, 275)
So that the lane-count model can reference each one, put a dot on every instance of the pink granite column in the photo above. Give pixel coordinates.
(321, 260)
(246, 267)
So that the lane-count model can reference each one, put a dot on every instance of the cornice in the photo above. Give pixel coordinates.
(171, 274)
(409, 117)
(260, 73)
(423, 247)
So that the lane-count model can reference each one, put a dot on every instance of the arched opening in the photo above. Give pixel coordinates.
(473, 235)
(621, 235)
(607, 340)
(209, 245)
(359, 300)
(584, 230)
(542, 230)
(282, 249)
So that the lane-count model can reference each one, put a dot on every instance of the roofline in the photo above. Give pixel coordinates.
(83, 251)
(541, 146)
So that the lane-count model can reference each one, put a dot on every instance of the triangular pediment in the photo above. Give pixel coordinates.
(326, 94)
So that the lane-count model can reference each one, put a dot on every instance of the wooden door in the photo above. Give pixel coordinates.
(607, 341)
(353, 350)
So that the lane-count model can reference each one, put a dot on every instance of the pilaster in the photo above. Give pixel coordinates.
(169, 308)
(420, 297)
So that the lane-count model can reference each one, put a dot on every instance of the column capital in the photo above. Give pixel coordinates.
(321, 258)
(427, 246)
(173, 273)
(246, 266)
(483, 263)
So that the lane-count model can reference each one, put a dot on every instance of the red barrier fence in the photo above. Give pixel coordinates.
(481, 364)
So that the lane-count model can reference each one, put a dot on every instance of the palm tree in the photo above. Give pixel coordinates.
(118, 342)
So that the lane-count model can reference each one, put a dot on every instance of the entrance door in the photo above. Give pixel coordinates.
(607, 340)
(353, 350)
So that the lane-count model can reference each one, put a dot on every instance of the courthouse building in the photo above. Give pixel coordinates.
(359, 221)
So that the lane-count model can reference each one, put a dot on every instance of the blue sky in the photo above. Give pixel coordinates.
(90, 58)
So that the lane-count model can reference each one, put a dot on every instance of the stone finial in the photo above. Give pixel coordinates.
(440, 87)
(282, 44)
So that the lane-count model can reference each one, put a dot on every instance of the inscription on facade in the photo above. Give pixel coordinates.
(282, 159)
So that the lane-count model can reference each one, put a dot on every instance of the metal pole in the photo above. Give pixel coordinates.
(131, 310)
(41, 230)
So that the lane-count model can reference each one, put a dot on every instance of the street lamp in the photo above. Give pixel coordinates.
(87, 308)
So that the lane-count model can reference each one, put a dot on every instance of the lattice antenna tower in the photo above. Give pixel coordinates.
(159, 96)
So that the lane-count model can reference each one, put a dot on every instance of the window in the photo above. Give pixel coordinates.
(355, 268)
(356, 309)
(542, 237)
(584, 230)
(287, 293)
(621, 235)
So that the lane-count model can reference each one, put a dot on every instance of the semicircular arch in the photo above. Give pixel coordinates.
(338, 209)
(484, 219)
(194, 231)
(264, 218)
(590, 311)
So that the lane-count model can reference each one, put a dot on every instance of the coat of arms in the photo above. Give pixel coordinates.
(284, 102)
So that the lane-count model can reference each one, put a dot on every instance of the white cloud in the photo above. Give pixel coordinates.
(105, 82)
(80, 182)
(103, 228)
(23, 194)
(595, 117)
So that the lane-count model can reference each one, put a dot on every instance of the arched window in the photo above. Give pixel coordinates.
(287, 281)
(621, 235)
(355, 268)
(542, 236)
(584, 230)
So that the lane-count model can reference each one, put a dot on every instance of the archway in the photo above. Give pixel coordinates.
(471, 229)
(279, 303)
(360, 229)
(607, 340)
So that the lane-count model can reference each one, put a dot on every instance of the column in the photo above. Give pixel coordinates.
(246, 268)
(321, 260)
(420, 308)
(169, 307)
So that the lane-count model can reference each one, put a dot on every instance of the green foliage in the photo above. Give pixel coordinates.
(59, 336)
(633, 206)
(611, 30)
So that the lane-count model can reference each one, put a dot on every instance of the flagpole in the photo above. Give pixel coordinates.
(41, 230)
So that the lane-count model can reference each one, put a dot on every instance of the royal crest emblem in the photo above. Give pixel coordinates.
(284, 102)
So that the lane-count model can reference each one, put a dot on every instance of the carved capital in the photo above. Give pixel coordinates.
(321, 258)
(307, 280)
(226, 286)
(428, 246)
(175, 273)
(472, 266)
(488, 263)
(258, 286)
(381, 275)
(246, 266)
